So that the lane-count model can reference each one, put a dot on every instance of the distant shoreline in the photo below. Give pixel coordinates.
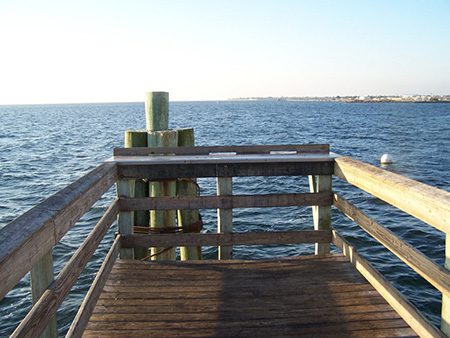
(356, 99)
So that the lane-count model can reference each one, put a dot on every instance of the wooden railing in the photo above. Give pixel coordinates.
(27, 241)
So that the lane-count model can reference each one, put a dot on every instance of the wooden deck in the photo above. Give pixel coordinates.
(309, 296)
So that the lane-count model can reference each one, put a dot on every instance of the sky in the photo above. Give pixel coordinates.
(82, 51)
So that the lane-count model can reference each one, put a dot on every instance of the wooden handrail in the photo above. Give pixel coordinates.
(85, 311)
(41, 313)
(28, 238)
(403, 307)
(432, 272)
(422, 201)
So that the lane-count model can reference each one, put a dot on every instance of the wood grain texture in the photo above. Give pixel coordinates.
(310, 296)
(422, 201)
(28, 238)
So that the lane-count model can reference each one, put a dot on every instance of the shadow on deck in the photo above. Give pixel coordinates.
(320, 296)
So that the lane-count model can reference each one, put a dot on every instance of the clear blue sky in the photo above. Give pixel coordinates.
(57, 51)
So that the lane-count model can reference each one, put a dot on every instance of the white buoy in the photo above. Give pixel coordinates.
(386, 159)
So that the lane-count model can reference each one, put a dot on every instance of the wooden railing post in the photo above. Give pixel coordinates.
(321, 214)
(188, 188)
(41, 276)
(445, 314)
(225, 216)
(125, 219)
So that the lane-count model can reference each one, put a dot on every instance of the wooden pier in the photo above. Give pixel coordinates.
(321, 295)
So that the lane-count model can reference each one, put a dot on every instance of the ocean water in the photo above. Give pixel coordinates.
(43, 148)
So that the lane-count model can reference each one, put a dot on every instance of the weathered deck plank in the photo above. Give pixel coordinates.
(308, 296)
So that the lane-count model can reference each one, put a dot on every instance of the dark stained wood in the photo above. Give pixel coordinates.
(205, 150)
(217, 239)
(308, 296)
(160, 171)
(228, 202)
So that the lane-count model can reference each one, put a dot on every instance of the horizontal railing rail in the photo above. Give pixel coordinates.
(429, 204)
(234, 238)
(28, 238)
(426, 203)
(225, 202)
(41, 313)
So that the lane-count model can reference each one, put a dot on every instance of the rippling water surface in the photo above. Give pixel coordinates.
(43, 148)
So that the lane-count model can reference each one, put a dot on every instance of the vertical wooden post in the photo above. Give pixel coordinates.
(41, 276)
(445, 314)
(125, 219)
(187, 188)
(321, 214)
(138, 138)
(225, 216)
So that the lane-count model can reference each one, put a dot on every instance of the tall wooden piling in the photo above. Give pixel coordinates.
(187, 188)
(157, 123)
(157, 110)
(163, 218)
(138, 138)
(321, 214)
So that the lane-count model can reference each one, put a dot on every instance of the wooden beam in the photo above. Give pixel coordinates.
(125, 219)
(218, 169)
(31, 236)
(227, 202)
(41, 313)
(87, 307)
(227, 239)
(225, 216)
(403, 307)
(422, 201)
(188, 187)
(432, 272)
(206, 150)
